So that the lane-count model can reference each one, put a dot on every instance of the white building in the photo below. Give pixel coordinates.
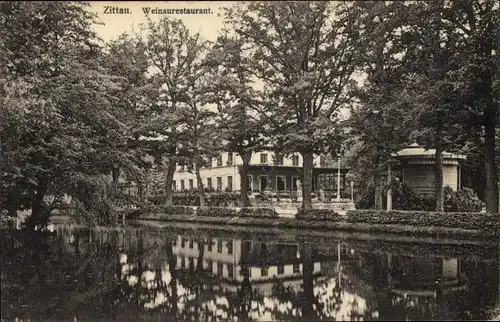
(264, 172)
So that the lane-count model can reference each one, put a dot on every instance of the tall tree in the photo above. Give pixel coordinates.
(174, 54)
(125, 57)
(377, 119)
(57, 115)
(302, 54)
(233, 92)
(454, 68)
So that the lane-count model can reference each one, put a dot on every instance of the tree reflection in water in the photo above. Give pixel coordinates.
(133, 274)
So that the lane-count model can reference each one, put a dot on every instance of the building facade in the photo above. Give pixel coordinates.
(265, 173)
(417, 167)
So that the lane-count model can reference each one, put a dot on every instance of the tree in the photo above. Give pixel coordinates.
(450, 65)
(232, 91)
(302, 54)
(125, 58)
(57, 115)
(175, 55)
(377, 122)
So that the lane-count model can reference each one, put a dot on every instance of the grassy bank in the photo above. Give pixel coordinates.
(452, 225)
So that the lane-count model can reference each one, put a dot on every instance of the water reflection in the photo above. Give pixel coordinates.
(153, 274)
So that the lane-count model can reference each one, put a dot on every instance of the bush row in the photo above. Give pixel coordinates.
(160, 211)
(318, 215)
(465, 220)
(222, 199)
(406, 198)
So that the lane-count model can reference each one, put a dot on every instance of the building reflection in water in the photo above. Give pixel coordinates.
(138, 274)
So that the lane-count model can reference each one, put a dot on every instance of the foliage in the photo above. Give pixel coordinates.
(464, 220)
(463, 200)
(447, 62)
(216, 212)
(91, 198)
(231, 89)
(318, 215)
(302, 53)
(58, 122)
(258, 213)
(221, 199)
(405, 198)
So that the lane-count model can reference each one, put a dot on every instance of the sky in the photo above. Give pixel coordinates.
(115, 24)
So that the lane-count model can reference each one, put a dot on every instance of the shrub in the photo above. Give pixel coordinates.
(258, 213)
(318, 215)
(465, 220)
(464, 200)
(177, 210)
(216, 212)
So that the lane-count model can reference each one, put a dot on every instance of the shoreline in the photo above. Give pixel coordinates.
(329, 226)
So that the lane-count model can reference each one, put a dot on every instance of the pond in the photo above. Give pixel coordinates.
(202, 273)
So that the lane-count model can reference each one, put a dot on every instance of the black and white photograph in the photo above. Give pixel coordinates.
(250, 160)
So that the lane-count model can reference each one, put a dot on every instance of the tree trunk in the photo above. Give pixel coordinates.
(438, 176)
(172, 165)
(308, 270)
(201, 191)
(389, 186)
(377, 181)
(307, 176)
(115, 172)
(38, 216)
(201, 254)
(246, 157)
(491, 191)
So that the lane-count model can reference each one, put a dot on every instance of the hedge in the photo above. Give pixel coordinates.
(161, 211)
(465, 220)
(191, 198)
(318, 214)
(258, 213)
(216, 212)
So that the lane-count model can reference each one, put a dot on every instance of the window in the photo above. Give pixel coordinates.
(174, 185)
(182, 185)
(183, 262)
(230, 182)
(229, 247)
(294, 183)
(263, 180)
(191, 264)
(209, 183)
(263, 158)
(322, 162)
(219, 246)
(279, 160)
(264, 271)
(295, 160)
(230, 270)
(210, 267)
(219, 160)
(183, 242)
(191, 185)
(219, 183)
(174, 243)
(250, 184)
(219, 269)
(281, 269)
(230, 158)
(296, 268)
(210, 244)
(191, 243)
(280, 183)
